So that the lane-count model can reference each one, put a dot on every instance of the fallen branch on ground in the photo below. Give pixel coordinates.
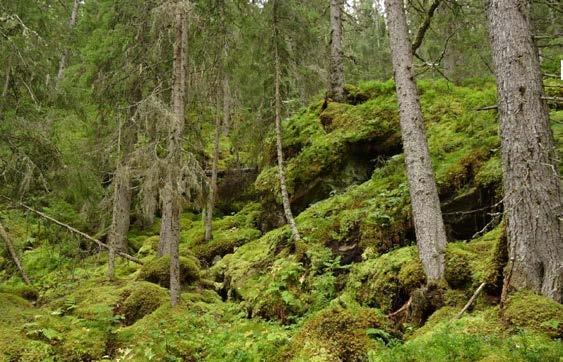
(13, 254)
(73, 230)
(475, 295)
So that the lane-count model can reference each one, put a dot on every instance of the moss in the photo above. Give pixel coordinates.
(338, 334)
(157, 270)
(458, 270)
(224, 242)
(83, 344)
(149, 246)
(476, 337)
(528, 310)
(139, 300)
(382, 282)
(27, 292)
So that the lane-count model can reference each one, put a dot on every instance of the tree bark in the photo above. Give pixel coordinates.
(281, 172)
(120, 215)
(336, 76)
(71, 24)
(533, 197)
(13, 254)
(428, 222)
(171, 198)
(208, 221)
(213, 184)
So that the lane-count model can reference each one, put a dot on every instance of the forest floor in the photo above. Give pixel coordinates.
(252, 294)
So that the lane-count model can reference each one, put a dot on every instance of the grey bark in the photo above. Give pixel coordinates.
(428, 222)
(533, 197)
(336, 74)
(281, 173)
(208, 220)
(120, 215)
(71, 24)
(13, 254)
(171, 198)
(213, 183)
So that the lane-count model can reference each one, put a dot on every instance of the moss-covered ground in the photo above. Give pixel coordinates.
(251, 294)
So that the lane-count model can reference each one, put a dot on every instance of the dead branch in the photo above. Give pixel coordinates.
(475, 295)
(12, 251)
(487, 108)
(424, 27)
(73, 230)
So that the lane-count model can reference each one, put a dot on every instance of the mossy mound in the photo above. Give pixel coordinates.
(338, 334)
(27, 292)
(528, 310)
(157, 270)
(224, 242)
(386, 281)
(140, 299)
(476, 337)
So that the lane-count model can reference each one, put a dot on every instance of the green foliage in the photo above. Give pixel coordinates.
(525, 309)
(477, 337)
(157, 270)
(337, 334)
(139, 300)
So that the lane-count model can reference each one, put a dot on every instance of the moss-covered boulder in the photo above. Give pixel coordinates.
(139, 300)
(338, 334)
(157, 270)
(386, 281)
(525, 309)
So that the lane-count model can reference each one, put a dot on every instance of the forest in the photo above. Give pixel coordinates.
(281, 180)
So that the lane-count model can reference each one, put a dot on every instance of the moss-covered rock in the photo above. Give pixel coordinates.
(338, 334)
(139, 300)
(458, 270)
(27, 292)
(528, 310)
(386, 281)
(157, 270)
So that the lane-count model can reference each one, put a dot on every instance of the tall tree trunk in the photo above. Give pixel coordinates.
(213, 184)
(281, 172)
(208, 220)
(71, 24)
(120, 215)
(428, 222)
(13, 254)
(533, 197)
(336, 75)
(171, 197)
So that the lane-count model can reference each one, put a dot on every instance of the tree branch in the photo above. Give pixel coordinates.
(73, 230)
(425, 25)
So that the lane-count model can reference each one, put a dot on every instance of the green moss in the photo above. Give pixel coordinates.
(478, 337)
(382, 282)
(157, 270)
(528, 310)
(140, 299)
(338, 334)
(458, 270)
(27, 292)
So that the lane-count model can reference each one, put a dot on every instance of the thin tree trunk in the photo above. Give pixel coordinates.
(428, 222)
(71, 24)
(7, 81)
(336, 80)
(208, 221)
(533, 197)
(13, 254)
(171, 198)
(213, 184)
(281, 172)
(120, 215)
